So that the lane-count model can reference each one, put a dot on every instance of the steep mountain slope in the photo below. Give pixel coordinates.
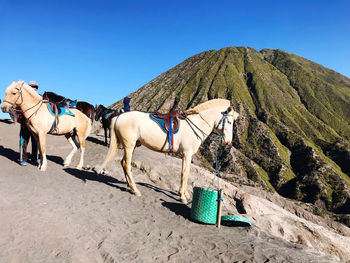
(294, 127)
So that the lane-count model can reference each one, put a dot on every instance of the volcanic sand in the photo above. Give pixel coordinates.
(67, 215)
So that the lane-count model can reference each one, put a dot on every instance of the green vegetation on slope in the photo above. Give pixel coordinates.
(294, 127)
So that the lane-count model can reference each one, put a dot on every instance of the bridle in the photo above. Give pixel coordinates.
(13, 104)
(20, 95)
(222, 120)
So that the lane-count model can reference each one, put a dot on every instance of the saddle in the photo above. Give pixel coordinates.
(57, 111)
(166, 117)
(64, 103)
(169, 123)
(68, 103)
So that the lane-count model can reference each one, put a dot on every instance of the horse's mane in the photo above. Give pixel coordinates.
(208, 104)
(103, 107)
(52, 96)
(29, 89)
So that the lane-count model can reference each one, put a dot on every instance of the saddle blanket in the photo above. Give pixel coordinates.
(161, 123)
(61, 111)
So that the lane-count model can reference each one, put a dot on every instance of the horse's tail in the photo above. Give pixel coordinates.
(113, 145)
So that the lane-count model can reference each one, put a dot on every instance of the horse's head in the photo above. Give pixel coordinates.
(225, 124)
(13, 97)
(45, 96)
(99, 109)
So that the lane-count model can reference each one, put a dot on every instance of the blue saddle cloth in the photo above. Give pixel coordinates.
(61, 111)
(73, 104)
(161, 123)
(109, 113)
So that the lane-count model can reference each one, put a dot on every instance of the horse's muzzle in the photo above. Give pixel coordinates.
(226, 142)
(5, 108)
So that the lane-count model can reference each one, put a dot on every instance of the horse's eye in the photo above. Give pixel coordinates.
(13, 93)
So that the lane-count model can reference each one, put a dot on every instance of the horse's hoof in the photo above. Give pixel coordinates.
(98, 170)
(79, 167)
(137, 193)
(183, 200)
(43, 169)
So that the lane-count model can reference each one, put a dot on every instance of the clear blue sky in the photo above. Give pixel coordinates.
(100, 51)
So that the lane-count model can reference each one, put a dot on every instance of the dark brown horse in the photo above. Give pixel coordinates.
(106, 116)
(83, 106)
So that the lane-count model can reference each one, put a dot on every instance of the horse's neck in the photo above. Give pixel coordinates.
(28, 105)
(202, 123)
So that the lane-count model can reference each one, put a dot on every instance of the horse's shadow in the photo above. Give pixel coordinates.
(168, 193)
(55, 159)
(9, 153)
(14, 156)
(95, 140)
(178, 208)
(92, 176)
(7, 121)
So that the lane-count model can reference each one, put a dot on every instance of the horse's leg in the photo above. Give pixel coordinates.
(186, 165)
(82, 134)
(82, 151)
(109, 134)
(68, 159)
(106, 128)
(126, 163)
(42, 143)
(36, 138)
(83, 131)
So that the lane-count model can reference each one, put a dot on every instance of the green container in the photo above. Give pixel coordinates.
(204, 205)
(231, 220)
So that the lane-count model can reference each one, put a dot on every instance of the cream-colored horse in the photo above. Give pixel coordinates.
(129, 127)
(40, 120)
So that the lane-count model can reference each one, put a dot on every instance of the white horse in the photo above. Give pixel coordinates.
(40, 121)
(134, 126)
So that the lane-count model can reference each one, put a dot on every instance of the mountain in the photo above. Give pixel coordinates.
(293, 133)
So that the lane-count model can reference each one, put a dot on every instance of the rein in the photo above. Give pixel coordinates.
(191, 124)
(41, 101)
(19, 95)
(223, 120)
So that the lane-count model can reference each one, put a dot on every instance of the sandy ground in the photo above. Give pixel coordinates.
(66, 215)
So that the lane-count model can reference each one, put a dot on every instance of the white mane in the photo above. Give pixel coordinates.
(208, 104)
(28, 88)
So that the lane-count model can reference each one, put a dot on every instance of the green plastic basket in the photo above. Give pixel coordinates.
(204, 205)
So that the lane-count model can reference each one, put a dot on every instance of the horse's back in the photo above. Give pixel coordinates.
(136, 125)
(86, 108)
(84, 105)
(131, 118)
